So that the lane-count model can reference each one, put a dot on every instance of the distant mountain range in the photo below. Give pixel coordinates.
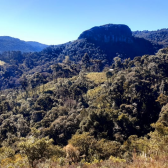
(14, 44)
(101, 43)
(111, 39)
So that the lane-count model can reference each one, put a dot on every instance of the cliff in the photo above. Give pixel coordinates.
(109, 33)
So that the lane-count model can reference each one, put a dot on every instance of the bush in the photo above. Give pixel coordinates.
(36, 149)
(91, 149)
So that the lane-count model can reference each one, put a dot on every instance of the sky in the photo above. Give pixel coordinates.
(59, 21)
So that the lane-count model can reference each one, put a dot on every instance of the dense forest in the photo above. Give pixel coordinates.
(102, 44)
(98, 101)
(157, 36)
(84, 114)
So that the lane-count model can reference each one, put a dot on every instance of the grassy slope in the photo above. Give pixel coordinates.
(2, 62)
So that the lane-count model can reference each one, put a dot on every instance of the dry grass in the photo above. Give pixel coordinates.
(138, 162)
(148, 162)
(97, 77)
(2, 62)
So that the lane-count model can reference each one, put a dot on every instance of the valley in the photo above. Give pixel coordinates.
(98, 101)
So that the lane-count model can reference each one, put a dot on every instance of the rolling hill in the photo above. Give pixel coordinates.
(14, 44)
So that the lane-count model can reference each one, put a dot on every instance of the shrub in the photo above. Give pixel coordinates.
(36, 149)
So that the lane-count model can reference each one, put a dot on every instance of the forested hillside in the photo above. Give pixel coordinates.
(102, 44)
(157, 37)
(98, 101)
(74, 114)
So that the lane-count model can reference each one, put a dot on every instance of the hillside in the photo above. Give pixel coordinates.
(99, 114)
(101, 43)
(117, 39)
(98, 101)
(157, 37)
(38, 46)
(13, 44)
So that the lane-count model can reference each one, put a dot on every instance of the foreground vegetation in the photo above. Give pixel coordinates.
(114, 118)
(150, 152)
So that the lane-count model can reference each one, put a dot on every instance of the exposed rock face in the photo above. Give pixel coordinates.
(109, 33)
(117, 40)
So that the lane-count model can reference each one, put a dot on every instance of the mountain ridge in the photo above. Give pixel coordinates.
(159, 36)
(8, 43)
(100, 52)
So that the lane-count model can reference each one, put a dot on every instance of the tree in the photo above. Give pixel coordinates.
(84, 143)
(109, 75)
(91, 149)
(24, 83)
(36, 149)
(67, 61)
(117, 62)
(86, 61)
(97, 65)
(55, 69)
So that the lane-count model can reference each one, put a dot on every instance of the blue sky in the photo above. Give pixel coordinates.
(60, 21)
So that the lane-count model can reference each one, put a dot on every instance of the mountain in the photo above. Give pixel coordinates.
(108, 33)
(157, 37)
(99, 108)
(14, 44)
(117, 39)
(101, 43)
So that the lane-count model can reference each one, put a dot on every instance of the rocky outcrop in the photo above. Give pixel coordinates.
(109, 33)
(117, 40)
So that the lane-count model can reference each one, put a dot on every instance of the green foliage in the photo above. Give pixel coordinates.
(86, 61)
(84, 142)
(162, 99)
(123, 117)
(163, 117)
(93, 93)
(160, 129)
(109, 75)
(99, 123)
(158, 36)
(92, 149)
(36, 149)
(6, 152)
(106, 148)
(88, 112)
(97, 77)
(155, 145)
